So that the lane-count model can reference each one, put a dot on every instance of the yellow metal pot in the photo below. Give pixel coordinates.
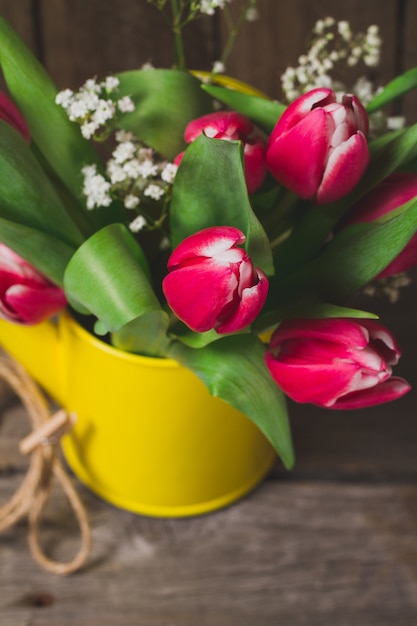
(148, 438)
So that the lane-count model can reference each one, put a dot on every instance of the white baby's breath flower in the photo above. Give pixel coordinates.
(218, 67)
(252, 14)
(96, 188)
(104, 111)
(64, 98)
(110, 83)
(126, 104)
(115, 172)
(131, 201)
(395, 122)
(164, 244)
(147, 169)
(169, 172)
(124, 151)
(123, 135)
(137, 224)
(88, 129)
(154, 191)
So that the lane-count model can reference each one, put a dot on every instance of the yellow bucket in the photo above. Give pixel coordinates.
(148, 437)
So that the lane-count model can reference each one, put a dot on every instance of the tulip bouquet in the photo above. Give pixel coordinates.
(223, 229)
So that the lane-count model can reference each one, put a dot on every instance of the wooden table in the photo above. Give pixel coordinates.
(334, 543)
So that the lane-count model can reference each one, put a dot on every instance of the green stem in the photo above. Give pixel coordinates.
(178, 40)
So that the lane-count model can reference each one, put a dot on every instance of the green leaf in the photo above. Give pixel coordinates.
(46, 253)
(166, 101)
(32, 89)
(265, 113)
(210, 190)
(361, 251)
(146, 335)
(399, 86)
(233, 369)
(108, 276)
(26, 194)
(305, 306)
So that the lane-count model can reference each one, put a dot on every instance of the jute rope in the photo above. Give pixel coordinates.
(44, 465)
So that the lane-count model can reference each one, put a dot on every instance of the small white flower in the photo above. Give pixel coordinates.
(252, 14)
(169, 172)
(137, 224)
(147, 169)
(64, 98)
(131, 201)
(126, 105)
(115, 172)
(88, 129)
(218, 67)
(110, 83)
(96, 188)
(124, 151)
(153, 191)
(104, 111)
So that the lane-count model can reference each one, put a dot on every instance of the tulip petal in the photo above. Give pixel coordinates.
(391, 389)
(31, 305)
(198, 293)
(206, 243)
(337, 330)
(319, 384)
(344, 169)
(301, 107)
(296, 158)
(219, 124)
(251, 302)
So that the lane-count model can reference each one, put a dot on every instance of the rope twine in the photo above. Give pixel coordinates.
(30, 499)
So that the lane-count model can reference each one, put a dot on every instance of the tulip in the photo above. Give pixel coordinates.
(11, 114)
(318, 148)
(335, 363)
(26, 297)
(212, 283)
(232, 126)
(395, 190)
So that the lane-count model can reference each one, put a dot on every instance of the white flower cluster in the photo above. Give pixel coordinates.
(92, 107)
(333, 42)
(208, 7)
(133, 173)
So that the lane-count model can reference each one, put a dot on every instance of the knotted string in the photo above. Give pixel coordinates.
(32, 495)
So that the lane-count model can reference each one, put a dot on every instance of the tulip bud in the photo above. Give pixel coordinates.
(395, 190)
(26, 297)
(335, 363)
(212, 283)
(318, 148)
(232, 126)
(11, 114)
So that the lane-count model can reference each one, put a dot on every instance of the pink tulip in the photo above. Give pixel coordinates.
(232, 126)
(335, 363)
(11, 114)
(212, 283)
(394, 191)
(26, 297)
(318, 148)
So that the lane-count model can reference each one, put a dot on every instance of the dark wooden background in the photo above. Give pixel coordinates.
(333, 543)
(77, 39)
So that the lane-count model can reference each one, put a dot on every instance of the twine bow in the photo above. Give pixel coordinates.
(33, 494)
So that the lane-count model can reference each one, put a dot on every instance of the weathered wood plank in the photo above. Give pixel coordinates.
(302, 554)
(22, 17)
(409, 56)
(84, 39)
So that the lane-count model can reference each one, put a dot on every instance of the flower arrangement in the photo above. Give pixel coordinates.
(221, 228)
